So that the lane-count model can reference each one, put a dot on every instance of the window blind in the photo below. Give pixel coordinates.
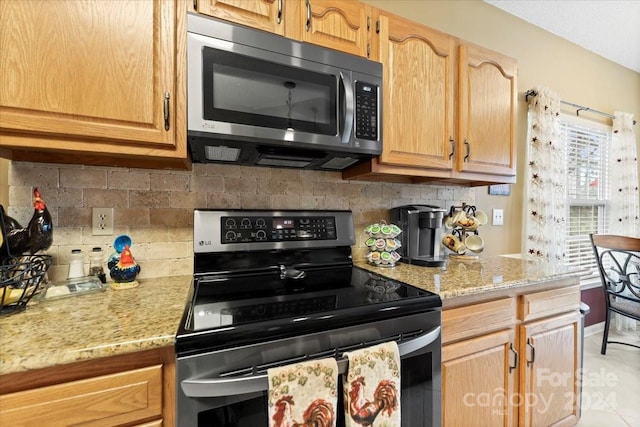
(587, 187)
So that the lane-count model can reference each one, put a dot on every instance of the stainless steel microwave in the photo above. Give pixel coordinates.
(261, 99)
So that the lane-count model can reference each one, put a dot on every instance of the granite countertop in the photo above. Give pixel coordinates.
(84, 327)
(109, 323)
(466, 277)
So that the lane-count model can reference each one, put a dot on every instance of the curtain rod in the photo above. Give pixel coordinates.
(578, 107)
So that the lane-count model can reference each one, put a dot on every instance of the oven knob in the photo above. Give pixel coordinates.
(245, 223)
(230, 223)
(230, 236)
(261, 235)
(260, 223)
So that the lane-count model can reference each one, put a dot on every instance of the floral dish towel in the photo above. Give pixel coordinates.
(372, 387)
(303, 394)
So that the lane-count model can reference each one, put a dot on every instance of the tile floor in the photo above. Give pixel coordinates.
(611, 383)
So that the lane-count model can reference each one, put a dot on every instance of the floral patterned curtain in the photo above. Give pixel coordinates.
(545, 174)
(623, 208)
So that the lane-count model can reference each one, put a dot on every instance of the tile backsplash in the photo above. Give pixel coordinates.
(155, 207)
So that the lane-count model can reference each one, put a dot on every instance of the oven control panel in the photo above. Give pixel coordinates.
(248, 229)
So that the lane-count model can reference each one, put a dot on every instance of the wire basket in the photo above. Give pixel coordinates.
(20, 279)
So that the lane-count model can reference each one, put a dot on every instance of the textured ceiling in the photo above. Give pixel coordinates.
(609, 28)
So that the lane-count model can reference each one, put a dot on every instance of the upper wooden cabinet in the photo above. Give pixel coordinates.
(266, 15)
(486, 111)
(418, 80)
(449, 109)
(336, 24)
(91, 81)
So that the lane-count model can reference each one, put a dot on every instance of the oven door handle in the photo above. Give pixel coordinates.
(234, 386)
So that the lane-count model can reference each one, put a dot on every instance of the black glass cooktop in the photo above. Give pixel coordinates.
(244, 308)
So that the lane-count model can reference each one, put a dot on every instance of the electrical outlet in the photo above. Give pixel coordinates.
(498, 217)
(102, 222)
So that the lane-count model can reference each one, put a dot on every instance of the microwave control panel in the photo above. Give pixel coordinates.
(366, 111)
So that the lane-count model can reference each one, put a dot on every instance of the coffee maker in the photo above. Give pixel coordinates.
(421, 234)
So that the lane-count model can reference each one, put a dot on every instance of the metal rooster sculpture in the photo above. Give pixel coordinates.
(36, 236)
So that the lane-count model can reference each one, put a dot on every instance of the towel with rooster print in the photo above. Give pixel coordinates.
(303, 394)
(372, 387)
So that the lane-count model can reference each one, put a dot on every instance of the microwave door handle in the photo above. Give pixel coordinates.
(220, 387)
(348, 114)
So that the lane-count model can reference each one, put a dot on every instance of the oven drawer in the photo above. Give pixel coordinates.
(109, 400)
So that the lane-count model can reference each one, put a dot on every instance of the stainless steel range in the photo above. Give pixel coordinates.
(272, 288)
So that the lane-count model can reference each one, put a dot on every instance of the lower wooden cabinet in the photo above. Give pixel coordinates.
(478, 380)
(513, 360)
(549, 371)
(137, 394)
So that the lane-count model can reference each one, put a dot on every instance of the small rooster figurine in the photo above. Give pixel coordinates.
(363, 412)
(318, 414)
(126, 269)
(37, 235)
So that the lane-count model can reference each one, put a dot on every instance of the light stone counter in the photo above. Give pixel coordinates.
(95, 325)
(467, 278)
(116, 322)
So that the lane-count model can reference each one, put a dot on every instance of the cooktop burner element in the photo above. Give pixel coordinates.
(265, 275)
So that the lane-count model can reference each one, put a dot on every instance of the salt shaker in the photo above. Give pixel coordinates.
(96, 264)
(76, 264)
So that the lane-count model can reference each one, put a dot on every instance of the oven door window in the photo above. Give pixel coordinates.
(249, 91)
(418, 400)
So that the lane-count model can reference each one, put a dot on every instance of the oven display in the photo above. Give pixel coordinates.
(282, 223)
(236, 229)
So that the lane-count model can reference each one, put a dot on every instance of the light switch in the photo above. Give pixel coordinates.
(498, 217)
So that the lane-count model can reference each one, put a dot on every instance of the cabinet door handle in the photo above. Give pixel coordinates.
(466, 143)
(279, 19)
(453, 148)
(515, 358)
(166, 110)
(308, 25)
(378, 27)
(533, 352)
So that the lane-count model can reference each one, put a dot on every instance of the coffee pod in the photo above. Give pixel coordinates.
(386, 231)
(371, 243)
(386, 258)
(374, 257)
(390, 245)
(374, 231)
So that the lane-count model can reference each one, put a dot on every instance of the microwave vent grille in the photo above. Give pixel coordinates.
(222, 153)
